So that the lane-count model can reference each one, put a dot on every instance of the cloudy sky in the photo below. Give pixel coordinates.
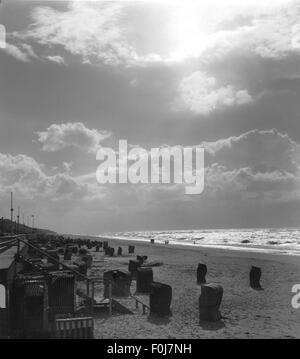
(223, 75)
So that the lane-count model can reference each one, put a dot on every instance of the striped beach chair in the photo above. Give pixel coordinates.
(75, 328)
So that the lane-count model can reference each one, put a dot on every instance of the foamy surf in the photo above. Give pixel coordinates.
(276, 241)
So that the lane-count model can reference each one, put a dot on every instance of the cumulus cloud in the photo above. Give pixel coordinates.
(201, 94)
(21, 52)
(22, 171)
(242, 172)
(272, 36)
(266, 30)
(257, 165)
(57, 59)
(72, 134)
(270, 32)
(88, 29)
(263, 151)
(30, 181)
(246, 184)
(256, 168)
(34, 186)
(100, 31)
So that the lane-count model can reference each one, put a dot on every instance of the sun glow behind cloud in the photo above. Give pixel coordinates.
(143, 32)
(187, 32)
(194, 25)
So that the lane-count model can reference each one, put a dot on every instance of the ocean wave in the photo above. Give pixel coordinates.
(285, 240)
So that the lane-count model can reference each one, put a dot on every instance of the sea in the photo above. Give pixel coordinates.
(272, 240)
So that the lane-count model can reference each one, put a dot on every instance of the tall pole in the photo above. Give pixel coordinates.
(18, 221)
(11, 212)
(23, 219)
(32, 222)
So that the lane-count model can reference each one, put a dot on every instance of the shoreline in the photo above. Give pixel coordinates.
(264, 250)
(213, 250)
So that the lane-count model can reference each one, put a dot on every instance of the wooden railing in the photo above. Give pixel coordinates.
(145, 307)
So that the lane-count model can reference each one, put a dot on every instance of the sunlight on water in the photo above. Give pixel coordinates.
(278, 240)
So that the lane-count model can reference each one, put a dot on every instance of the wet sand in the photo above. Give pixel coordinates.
(247, 313)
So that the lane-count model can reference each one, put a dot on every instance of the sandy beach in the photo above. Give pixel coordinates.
(247, 313)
